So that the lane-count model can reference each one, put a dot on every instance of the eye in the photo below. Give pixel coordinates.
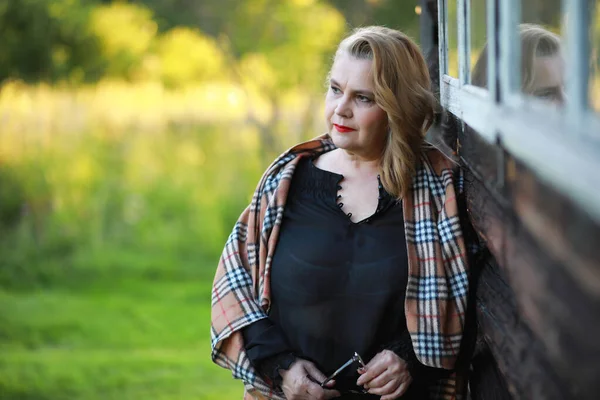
(363, 99)
(546, 94)
(335, 90)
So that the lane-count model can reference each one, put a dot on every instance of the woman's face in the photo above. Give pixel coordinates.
(548, 81)
(355, 122)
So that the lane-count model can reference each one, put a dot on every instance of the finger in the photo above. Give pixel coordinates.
(388, 388)
(314, 380)
(382, 380)
(314, 372)
(398, 392)
(331, 394)
(317, 392)
(374, 368)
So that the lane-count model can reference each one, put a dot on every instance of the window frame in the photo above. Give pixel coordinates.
(556, 143)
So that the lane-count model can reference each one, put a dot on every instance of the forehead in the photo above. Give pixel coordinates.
(349, 70)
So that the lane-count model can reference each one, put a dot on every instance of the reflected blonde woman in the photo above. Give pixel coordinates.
(542, 64)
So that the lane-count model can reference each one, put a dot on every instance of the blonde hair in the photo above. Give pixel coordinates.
(403, 91)
(535, 42)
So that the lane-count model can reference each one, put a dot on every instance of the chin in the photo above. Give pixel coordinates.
(340, 140)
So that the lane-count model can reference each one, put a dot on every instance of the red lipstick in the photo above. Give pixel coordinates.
(342, 128)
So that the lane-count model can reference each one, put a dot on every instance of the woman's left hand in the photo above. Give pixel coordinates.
(385, 375)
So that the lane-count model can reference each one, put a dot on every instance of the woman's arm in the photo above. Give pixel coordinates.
(267, 349)
(269, 352)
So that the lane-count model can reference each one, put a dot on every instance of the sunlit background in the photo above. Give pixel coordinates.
(132, 135)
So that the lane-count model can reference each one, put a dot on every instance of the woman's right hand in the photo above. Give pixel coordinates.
(300, 382)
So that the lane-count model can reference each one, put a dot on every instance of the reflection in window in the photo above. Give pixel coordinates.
(478, 35)
(542, 63)
(542, 55)
(594, 85)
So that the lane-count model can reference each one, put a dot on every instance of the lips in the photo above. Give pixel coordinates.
(342, 128)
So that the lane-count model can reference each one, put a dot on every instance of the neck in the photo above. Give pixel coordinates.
(359, 163)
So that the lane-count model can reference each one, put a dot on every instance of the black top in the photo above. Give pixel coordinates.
(337, 287)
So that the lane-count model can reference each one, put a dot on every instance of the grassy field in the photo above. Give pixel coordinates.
(129, 338)
(109, 238)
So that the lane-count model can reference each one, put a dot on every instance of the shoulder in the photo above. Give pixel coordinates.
(314, 147)
(283, 166)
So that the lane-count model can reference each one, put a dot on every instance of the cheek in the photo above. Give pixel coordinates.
(329, 109)
(375, 119)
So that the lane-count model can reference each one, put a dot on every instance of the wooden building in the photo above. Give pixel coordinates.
(533, 191)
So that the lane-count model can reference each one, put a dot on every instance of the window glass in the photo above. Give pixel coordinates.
(594, 84)
(478, 42)
(452, 39)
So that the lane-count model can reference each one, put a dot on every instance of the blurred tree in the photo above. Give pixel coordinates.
(274, 46)
(281, 46)
(543, 12)
(11, 199)
(209, 15)
(126, 33)
(391, 13)
(186, 56)
(212, 16)
(83, 40)
(47, 40)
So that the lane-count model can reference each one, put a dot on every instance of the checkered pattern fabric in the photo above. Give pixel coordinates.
(436, 297)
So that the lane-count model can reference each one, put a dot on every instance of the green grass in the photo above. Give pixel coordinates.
(127, 339)
(108, 247)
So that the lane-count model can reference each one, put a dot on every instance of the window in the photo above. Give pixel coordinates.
(553, 126)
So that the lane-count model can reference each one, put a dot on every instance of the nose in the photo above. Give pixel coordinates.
(343, 107)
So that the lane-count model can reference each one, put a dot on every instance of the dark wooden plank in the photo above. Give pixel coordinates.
(533, 231)
(520, 355)
(486, 381)
(556, 276)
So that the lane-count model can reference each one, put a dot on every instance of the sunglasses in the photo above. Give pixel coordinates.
(356, 359)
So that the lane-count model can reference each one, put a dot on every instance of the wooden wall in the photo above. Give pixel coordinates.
(538, 278)
(538, 289)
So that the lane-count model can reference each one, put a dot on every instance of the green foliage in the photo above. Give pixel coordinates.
(126, 32)
(285, 44)
(11, 199)
(47, 40)
(168, 198)
(391, 13)
(209, 15)
(186, 57)
(105, 280)
(105, 277)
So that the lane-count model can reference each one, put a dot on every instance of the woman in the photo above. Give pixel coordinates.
(542, 64)
(352, 243)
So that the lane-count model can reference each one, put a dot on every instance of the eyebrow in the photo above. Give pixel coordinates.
(363, 92)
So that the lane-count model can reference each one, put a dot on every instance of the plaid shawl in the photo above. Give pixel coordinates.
(436, 294)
